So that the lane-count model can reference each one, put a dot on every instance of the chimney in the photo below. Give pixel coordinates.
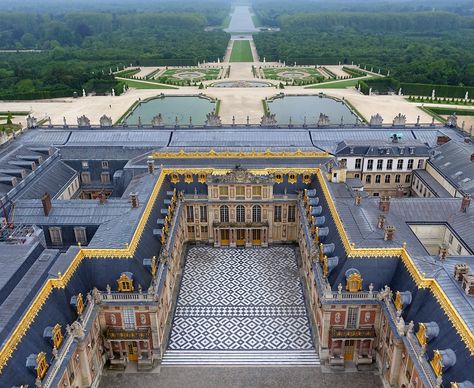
(467, 140)
(389, 233)
(460, 270)
(443, 251)
(384, 203)
(442, 139)
(46, 201)
(151, 166)
(358, 199)
(465, 203)
(399, 191)
(134, 200)
(468, 284)
(472, 157)
(381, 221)
(102, 198)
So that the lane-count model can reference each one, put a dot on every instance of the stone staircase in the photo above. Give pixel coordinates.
(293, 358)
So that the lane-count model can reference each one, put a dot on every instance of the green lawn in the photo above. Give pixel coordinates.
(241, 51)
(143, 85)
(336, 85)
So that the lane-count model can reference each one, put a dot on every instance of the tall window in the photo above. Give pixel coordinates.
(203, 213)
(189, 213)
(377, 178)
(420, 163)
(379, 164)
(86, 178)
(224, 213)
(105, 164)
(240, 191)
(105, 178)
(400, 164)
(128, 318)
(223, 191)
(256, 213)
(56, 235)
(352, 314)
(387, 178)
(240, 213)
(408, 179)
(256, 191)
(358, 163)
(410, 164)
(80, 234)
(389, 164)
(277, 214)
(368, 178)
(291, 213)
(370, 164)
(397, 178)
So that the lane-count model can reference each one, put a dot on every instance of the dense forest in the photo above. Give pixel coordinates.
(77, 49)
(424, 47)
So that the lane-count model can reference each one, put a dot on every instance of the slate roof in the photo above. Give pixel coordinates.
(437, 189)
(453, 161)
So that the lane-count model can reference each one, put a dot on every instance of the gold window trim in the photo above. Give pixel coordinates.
(125, 284)
(174, 178)
(421, 334)
(398, 301)
(307, 179)
(278, 178)
(292, 178)
(79, 304)
(354, 283)
(57, 336)
(188, 178)
(153, 266)
(202, 178)
(41, 365)
(437, 363)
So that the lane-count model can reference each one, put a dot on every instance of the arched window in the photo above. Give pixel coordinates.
(240, 213)
(224, 213)
(257, 214)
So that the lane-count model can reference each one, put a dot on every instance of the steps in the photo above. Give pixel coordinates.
(292, 358)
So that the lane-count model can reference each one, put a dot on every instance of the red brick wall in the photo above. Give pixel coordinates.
(109, 319)
(367, 317)
(338, 318)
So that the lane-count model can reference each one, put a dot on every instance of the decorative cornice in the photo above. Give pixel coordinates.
(268, 153)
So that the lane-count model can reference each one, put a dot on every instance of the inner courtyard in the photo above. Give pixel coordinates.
(241, 299)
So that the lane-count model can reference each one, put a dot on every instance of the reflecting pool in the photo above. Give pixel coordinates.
(297, 107)
(171, 107)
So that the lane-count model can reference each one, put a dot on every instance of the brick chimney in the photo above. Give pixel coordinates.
(443, 251)
(46, 201)
(381, 221)
(151, 166)
(465, 203)
(389, 233)
(442, 139)
(134, 200)
(399, 191)
(384, 204)
(460, 270)
(358, 199)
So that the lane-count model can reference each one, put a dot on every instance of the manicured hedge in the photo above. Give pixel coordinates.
(379, 85)
(440, 90)
(38, 95)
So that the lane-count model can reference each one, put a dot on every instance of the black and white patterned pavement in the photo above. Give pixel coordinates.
(240, 299)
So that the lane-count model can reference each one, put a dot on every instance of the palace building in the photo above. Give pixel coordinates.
(235, 246)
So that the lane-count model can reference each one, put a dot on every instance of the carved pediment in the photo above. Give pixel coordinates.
(241, 176)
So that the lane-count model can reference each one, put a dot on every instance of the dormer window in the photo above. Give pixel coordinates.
(202, 178)
(125, 282)
(41, 365)
(174, 178)
(57, 336)
(278, 178)
(188, 178)
(79, 304)
(353, 280)
(292, 178)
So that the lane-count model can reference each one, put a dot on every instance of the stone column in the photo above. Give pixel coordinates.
(249, 238)
(84, 363)
(232, 242)
(394, 372)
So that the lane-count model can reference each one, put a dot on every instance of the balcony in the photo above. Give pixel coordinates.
(128, 335)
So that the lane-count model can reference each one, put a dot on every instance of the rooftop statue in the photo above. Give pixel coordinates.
(268, 120)
(452, 121)
(105, 121)
(213, 120)
(83, 122)
(376, 120)
(399, 120)
(157, 121)
(323, 119)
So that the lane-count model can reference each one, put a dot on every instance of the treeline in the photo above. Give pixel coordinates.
(412, 49)
(40, 31)
(422, 22)
(80, 49)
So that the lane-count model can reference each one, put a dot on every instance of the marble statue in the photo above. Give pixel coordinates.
(83, 92)
(113, 92)
(400, 91)
(452, 121)
(268, 120)
(213, 120)
(370, 91)
(157, 121)
(466, 96)
(433, 94)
